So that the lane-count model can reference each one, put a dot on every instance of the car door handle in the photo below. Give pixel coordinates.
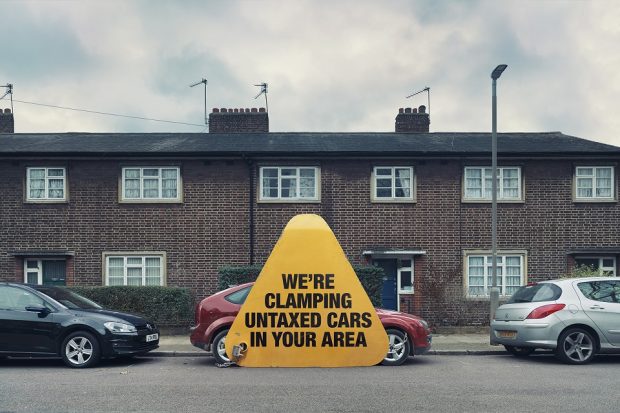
(597, 307)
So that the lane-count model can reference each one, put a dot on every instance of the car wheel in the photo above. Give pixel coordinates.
(80, 350)
(519, 351)
(576, 346)
(399, 348)
(219, 348)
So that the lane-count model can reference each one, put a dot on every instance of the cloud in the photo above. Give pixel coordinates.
(331, 66)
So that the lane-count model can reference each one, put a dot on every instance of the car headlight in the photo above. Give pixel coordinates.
(116, 327)
(424, 323)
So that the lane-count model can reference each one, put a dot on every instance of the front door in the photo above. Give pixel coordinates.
(46, 272)
(389, 296)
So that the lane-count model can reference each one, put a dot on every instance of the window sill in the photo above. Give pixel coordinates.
(286, 201)
(392, 201)
(151, 201)
(46, 201)
(499, 201)
(594, 201)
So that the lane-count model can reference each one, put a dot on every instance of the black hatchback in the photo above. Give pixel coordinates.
(47, 321)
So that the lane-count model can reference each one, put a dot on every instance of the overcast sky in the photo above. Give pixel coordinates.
(332, 66)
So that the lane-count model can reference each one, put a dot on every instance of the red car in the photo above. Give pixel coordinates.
(408, 335)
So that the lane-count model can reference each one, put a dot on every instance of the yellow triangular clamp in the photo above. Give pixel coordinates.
(307, 307)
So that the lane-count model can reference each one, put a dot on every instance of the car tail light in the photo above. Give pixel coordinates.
(545, 310)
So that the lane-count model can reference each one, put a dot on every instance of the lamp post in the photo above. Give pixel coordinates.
(494, 293)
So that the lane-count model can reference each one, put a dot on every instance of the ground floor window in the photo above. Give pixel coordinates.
(602, 265)
(479, 277)
(405, 276)
(134, 270)
(45, 271)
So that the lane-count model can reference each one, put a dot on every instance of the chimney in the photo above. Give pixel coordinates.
(7, 123)
(238, 120)
(412, 120)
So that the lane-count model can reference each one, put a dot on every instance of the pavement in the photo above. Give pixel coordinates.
(442, 344)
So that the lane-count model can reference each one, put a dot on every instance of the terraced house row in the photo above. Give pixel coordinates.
(172, 208)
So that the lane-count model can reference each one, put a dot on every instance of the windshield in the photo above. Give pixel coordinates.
(535, 293)
(70, 299)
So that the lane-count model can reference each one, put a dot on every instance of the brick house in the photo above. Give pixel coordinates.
(172, 208)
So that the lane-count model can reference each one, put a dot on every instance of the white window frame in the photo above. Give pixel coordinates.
(107, 256)
(601, 268)
(399, 272)
(487, 271)
(500, 184)
(392, 198)
(593, 183)
(297, 177)
(159, 177)
(39, 269)
(46, 189)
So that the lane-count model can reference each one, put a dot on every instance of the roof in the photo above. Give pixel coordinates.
(297, 144)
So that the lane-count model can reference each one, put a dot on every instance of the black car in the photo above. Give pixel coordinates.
(47, 321)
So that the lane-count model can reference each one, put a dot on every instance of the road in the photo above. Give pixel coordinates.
(428, 383)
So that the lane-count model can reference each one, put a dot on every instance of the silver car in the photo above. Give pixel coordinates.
(576, 317)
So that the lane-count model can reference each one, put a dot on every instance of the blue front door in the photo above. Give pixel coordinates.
(389, 296)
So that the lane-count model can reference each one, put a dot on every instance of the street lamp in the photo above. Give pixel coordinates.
(494, 293)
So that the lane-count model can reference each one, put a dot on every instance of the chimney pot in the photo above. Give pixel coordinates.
(247, 110)
(254, 110)
(261, 110)
(223, 110)
(216, 110)
(414, 120)
(7, 122)
(236, 110)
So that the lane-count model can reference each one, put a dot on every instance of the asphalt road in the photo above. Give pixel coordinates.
(495, 383)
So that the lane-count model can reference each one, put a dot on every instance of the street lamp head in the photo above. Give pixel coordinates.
(497, 72)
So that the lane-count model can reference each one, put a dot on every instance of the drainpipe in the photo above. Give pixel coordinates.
(250, 164)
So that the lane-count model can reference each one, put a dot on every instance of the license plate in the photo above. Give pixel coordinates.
(507, 334)
(152, 337)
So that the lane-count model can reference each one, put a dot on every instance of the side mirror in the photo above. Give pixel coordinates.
(43, 311)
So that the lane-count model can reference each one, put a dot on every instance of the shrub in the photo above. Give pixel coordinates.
(583, 271)
(165, 306)
(370, 277)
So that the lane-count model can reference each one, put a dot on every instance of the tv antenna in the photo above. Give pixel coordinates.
(9, 91)
(263, 90)
(428, 95)
(204, 82)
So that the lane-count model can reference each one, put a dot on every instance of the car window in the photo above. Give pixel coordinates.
(12, 298)
(535, 293)
(238, 297)
(69, 299)
(605, 291)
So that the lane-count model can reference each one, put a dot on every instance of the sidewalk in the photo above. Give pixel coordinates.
(443, 344)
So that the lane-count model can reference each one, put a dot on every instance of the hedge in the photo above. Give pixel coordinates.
(165, 306)
(370, 277)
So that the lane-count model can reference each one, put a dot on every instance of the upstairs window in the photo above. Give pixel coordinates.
(393, 183)
(151, 184)
(289, 183)
(594, 183)
(46, 184)
(479, 183)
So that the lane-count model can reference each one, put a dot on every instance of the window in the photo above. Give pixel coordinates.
(289, 183)
(604, 265)
(45, 271)
(405, 276)
(605, 291)
(393, 183)
(136, 270)
(12, 298)
(46, 184)
(510, 274)
(479, 181)
(238, 297)
(153, 183)
(594, 183)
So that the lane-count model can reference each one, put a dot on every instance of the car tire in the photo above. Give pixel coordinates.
(219, 348)
(399, 348)
(576, 346)
(80, 349)
(519, 351)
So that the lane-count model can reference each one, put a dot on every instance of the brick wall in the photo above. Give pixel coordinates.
(211, 227)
